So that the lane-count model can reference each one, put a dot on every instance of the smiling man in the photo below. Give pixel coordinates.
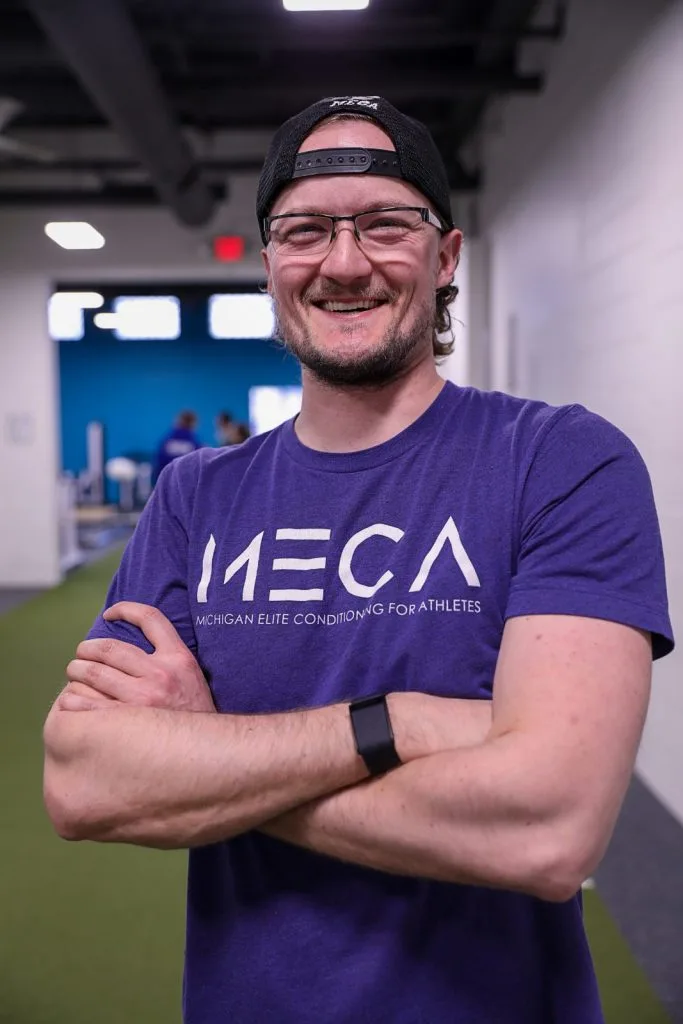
(384, 670)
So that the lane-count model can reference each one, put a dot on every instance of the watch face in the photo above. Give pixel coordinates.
(373, 735)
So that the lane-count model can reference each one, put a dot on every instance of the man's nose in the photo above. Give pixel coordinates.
(345, 260)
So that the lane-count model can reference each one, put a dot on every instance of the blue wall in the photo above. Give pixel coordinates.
(137, 388)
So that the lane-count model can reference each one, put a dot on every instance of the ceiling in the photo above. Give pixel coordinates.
(130, 101)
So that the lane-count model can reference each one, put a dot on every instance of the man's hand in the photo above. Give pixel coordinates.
(106, 672)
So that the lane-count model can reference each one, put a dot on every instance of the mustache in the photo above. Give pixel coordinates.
(362, 294)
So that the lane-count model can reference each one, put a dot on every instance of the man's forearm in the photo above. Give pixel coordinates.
(176, 779)
(467, 816)
(169, 778)
(339, 825)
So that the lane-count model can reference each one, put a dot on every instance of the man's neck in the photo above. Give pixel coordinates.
(346, 419)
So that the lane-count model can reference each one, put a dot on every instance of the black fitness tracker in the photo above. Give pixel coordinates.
(373, 734)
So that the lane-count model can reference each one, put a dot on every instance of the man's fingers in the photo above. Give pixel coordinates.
(117, 653)
(72, 702)
(79, 697)
(153, 623)
(83, 690)
(103, 679)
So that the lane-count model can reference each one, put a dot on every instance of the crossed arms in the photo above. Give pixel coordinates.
(521, 794)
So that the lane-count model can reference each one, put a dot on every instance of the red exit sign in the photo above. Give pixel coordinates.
(228, 248)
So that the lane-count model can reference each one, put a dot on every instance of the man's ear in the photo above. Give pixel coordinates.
(449, 256)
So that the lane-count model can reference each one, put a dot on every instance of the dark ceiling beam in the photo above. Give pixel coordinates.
(460, 179)
(388, 36)
(265, 102)
(22, 54)
(505, 16)
(414, 83)
(50, 101)
(278, 24)
(244, 98)
(139, 195)
(102, 48)
(98, 165)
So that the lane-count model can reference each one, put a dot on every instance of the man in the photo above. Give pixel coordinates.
(486, 571)
(180, 440)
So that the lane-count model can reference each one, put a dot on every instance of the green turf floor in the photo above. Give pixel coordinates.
(94, 934)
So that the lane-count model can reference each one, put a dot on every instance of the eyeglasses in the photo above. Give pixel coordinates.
(303, 234)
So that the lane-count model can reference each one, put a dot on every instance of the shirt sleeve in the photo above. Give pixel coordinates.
(153, 569)
(589, 541)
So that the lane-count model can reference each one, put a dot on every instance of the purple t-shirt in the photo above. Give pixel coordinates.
(301, 578)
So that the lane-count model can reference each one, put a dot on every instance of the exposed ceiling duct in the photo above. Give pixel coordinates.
(101, 46)
(189, 92)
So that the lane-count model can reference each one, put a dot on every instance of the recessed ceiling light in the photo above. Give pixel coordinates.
(74, 234)
(325, 5)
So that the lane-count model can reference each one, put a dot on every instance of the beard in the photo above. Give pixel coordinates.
(388, 360)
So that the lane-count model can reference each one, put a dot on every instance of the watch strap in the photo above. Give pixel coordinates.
(373, 734)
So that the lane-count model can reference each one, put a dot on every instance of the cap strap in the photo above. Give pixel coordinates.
(348, 161)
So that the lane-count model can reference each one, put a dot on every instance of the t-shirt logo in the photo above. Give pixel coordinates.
(247, 566)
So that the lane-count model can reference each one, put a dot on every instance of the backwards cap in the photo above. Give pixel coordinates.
(416, 160)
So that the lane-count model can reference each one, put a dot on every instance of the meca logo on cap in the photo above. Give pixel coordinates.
(355, 101)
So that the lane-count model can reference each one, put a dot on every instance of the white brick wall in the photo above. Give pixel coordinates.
(583, 212)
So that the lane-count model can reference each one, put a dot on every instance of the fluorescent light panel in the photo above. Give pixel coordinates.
(140, 317)
(74, 234)
(325, 5)
(241, 316)
(65, 313)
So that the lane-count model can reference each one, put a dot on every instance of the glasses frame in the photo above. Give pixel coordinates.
(427, 218)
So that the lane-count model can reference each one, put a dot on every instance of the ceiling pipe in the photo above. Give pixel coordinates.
(101, 46)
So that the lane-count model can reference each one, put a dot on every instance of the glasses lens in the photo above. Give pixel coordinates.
(388, 227)
(292, 235)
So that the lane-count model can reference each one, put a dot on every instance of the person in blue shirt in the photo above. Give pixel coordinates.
(384, 669)
(181, 440)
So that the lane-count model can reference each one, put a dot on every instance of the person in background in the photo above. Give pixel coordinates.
(229, 431)
(181, 440)
(225, 429)
(242, 433)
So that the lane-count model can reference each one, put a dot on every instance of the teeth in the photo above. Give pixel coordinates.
(345, 307)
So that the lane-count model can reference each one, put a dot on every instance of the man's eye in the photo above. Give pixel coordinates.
(389, 224)
(385, 222)
(300, 232)
(306, 229)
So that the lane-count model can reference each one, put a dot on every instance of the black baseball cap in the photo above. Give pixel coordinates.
(416, 160)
